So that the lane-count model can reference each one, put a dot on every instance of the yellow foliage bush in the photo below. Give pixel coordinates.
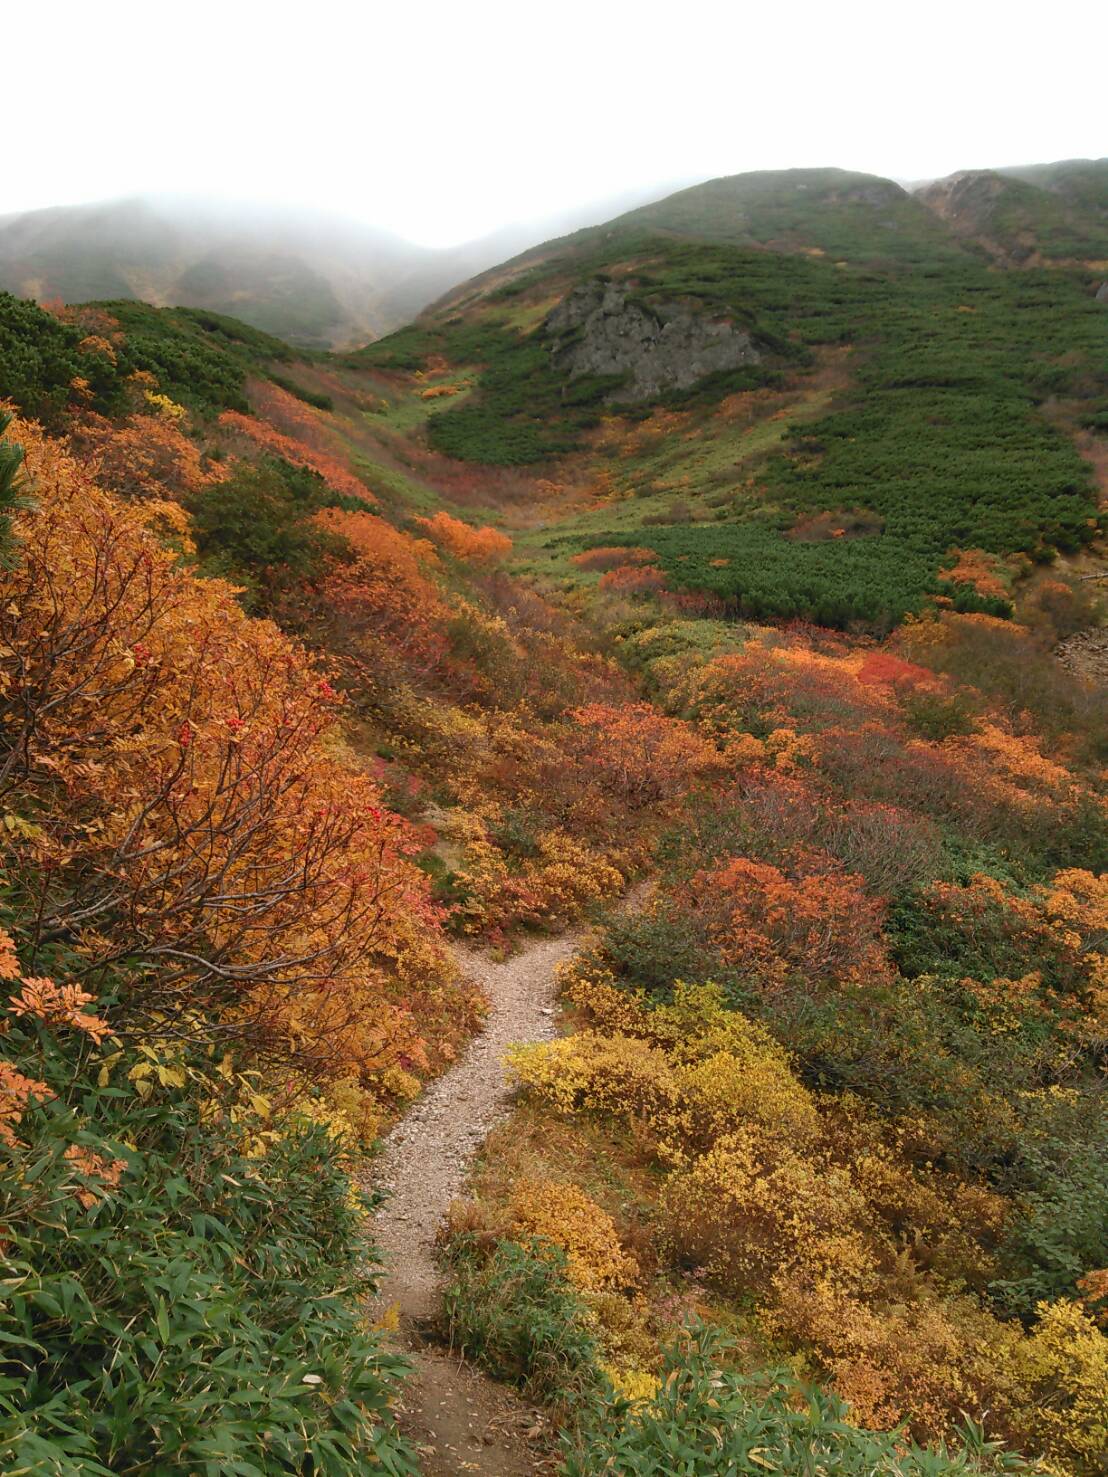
(752, 1209)
(1062, 1367)
(549, 889)
(687, 1072)
(566, 1216)
(852, 1244)
(636, 1385)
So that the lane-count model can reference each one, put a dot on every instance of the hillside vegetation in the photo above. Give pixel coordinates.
(943, 432)
(312, 666)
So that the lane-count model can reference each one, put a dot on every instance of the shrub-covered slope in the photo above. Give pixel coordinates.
(941, 430)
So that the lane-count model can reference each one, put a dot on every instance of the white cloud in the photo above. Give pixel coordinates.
(442, 121)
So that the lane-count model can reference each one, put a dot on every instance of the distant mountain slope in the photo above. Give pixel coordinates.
(1042, 212)
(315, 280)
(832, 212)
(318, 281)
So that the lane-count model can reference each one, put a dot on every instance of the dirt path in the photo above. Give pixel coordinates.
(426, 1156)
(461, 1420)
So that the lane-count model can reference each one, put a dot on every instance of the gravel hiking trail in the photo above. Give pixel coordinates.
(459, 1419)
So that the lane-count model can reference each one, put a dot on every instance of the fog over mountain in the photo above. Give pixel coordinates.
(315, 279)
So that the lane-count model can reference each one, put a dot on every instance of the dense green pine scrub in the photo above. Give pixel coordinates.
(199, 359)
(941, 434)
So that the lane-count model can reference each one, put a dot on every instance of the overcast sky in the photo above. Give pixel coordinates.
(443, 121)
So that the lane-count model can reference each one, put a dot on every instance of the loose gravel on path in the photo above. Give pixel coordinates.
(426, 1157)
(459, 1420)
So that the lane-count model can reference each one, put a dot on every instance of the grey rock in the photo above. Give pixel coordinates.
(600, 329)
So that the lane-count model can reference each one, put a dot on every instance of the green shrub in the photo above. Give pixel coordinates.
(934, 716)
(310, 397)
(1060, 1228)
(708, 1421)
(203, 1316)
(256, 530)
(656, 949)
(39, 360)
(513, 1310)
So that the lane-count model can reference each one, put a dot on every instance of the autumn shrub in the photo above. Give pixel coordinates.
(1005, 663)
(301, 450)
(603, 559)
(770, 814)
(386, 598)
(1062, 1369)
(547, 889)
(979, 579)
(476, 545)
(175, 802)
(639, 754)
(1056, 609)
(681, 1075)
(145, 456)
(836, 1223)
(764, 687)
(985, 929)
(814, 920)
(564, 1215)
(634, 579)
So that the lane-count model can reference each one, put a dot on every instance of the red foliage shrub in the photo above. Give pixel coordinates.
(612, 558)
(817, 922)
(633, 580)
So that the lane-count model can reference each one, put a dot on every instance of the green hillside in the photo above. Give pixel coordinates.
(937, 432)
(1050, 212)
(833, 212)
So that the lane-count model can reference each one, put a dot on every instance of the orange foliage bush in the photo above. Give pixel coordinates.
(612, 558)
(386, 596)
(639, 754)
(883, 667)
(187, 815)
(979, 570)
(819, 924)
(146, 457)
(643, 579)
(337, 477)
(56, 1007)
(475, 545)
(763, 688)
(1062, 927)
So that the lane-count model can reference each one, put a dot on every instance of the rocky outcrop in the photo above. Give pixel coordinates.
(601, 329)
